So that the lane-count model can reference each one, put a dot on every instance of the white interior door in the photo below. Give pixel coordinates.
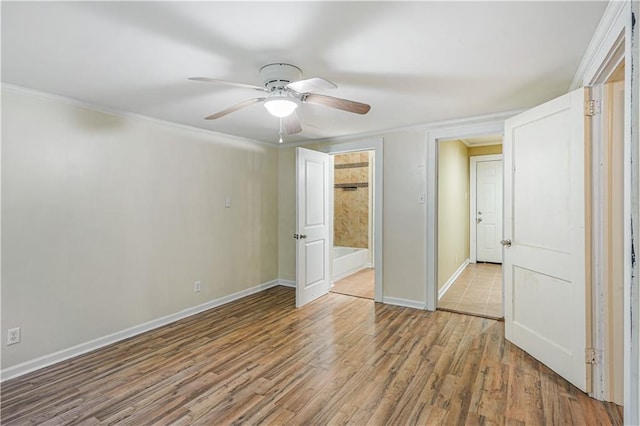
(313, 228)
(488, 211)
(544, 268)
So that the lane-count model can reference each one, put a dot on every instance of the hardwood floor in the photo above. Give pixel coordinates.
(338, 360)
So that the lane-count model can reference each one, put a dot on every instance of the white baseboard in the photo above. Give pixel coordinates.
(47, 360)
(452, 279)
(287, 283)
(403, 302)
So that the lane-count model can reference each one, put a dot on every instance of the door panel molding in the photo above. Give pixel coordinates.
(313, 224)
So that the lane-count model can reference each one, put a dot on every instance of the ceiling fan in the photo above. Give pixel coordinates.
(286, 90)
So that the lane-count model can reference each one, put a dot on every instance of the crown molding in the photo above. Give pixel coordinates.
(427, 126)
(122, 113)
(608, 35)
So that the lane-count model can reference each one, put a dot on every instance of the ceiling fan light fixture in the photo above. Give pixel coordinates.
(280, 107)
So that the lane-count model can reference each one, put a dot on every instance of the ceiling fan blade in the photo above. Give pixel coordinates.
(291, 124)
(312, 84)
(330, 101)
(234, 108)
(228, 83)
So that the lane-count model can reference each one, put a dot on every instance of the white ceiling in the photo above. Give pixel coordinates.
(413, 62)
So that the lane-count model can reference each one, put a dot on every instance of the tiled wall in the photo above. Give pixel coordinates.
(351, 207)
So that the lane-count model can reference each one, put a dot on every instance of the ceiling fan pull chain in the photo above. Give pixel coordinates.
(280, 140)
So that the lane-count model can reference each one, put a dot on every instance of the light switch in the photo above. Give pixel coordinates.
(421, 198)
(227, 202)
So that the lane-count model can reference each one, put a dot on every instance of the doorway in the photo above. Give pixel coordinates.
(470, 203)
(353, 252)
(374, 147)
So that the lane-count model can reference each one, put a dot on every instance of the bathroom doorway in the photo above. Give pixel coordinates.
(353, 219)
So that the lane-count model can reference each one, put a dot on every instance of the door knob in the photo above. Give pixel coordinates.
(478, 220)
(506, 243)
(299, 236)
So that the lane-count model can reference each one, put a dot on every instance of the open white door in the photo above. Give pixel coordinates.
(544, 222)
(313, 229)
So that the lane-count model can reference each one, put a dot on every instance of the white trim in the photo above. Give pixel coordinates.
(606, 37)
(476, 145)
(114, 111)
(616, 40)
(415, 304)
(632, 219)
(367, 135)
(428, 126)
(598, 208)
(65, 354)
(286, 283)
(606, 52)
(473, 162)
(491, 126)
(452, 278)
(377, 146)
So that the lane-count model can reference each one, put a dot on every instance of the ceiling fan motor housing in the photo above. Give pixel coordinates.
(276, 76)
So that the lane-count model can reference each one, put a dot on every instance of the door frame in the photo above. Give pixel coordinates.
(613, 42)
(473, 194)
(375, 145)
(490, 125)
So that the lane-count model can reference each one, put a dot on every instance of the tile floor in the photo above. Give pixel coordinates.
(360, 284)
(477, 291)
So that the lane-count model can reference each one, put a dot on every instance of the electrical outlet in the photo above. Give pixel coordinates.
(197, 286)
(13, 336)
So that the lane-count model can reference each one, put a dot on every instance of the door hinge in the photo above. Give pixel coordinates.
(591, 356)
(591, 108)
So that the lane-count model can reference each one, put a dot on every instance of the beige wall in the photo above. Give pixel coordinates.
(286, 213)
(404, 228)
(351, 207)
(453, 208)
(107, 221)
(485, 150)
(404, 218)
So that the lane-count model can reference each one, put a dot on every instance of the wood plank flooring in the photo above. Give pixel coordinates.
(338, 360)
